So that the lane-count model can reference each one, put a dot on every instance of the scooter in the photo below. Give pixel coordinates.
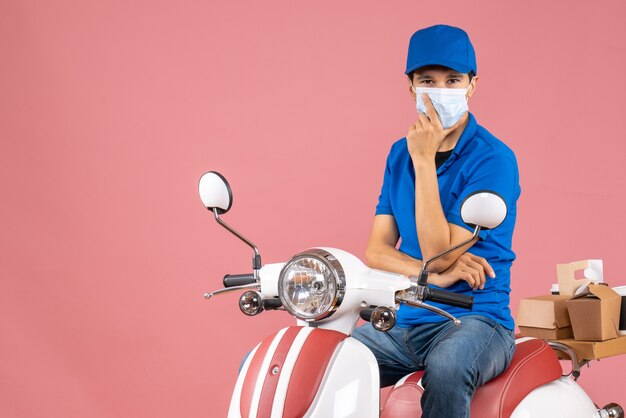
(315, 369)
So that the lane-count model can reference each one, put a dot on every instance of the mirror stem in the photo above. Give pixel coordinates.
(256, 260)
(423, 276)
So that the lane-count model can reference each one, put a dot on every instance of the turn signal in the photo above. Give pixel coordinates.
(251, 303)
(383, 318)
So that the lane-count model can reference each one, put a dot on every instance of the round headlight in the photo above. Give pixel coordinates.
(311, 285)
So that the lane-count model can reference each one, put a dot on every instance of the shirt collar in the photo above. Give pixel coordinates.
(466, 136)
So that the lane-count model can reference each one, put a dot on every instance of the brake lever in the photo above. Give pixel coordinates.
(414, 296)
(420, 304)
(251, 286)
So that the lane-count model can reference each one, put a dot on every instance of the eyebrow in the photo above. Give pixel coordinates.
(451, 75)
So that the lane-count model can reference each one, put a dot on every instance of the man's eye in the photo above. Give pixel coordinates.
(453, 80)
(427, 81)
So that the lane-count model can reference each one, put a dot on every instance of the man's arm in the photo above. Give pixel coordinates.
(434, 232)
(381, 252)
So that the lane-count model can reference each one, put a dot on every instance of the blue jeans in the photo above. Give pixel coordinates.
(455, 359)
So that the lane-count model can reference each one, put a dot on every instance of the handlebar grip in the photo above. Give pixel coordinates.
(273, 303)
(231, 280)
(449, 298)
(366, 313)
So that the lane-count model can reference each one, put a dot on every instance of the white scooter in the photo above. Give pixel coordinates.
(315, 369)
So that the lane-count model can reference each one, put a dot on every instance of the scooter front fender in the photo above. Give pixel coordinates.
(307, 372)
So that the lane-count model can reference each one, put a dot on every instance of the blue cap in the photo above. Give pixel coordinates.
(441, 45)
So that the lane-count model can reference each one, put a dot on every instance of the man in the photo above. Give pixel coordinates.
(445, 157)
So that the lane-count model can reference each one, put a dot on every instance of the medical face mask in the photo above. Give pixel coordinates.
(450, 103)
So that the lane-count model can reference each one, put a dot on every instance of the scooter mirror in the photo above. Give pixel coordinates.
(215, 192)
(485, 209)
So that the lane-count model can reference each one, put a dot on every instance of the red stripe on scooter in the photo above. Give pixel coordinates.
(309, 370)
(415, 377)
(271, 379)
(247, 390)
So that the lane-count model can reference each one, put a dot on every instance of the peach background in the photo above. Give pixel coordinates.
(111, 110)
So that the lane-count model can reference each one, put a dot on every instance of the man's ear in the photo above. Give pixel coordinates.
(411, 92)
(472, 86)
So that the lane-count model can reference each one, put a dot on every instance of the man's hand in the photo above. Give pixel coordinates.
(425, 135)
(468, 267)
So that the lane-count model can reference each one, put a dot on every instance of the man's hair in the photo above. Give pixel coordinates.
(471, 75)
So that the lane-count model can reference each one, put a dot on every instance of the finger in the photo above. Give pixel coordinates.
(430, 109)
(481, 272)
(468, 278)
(490, 271)
(422, 118)
(480, 276)
(475, 276)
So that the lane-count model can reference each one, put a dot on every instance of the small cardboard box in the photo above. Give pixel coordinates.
(595, 350)
(544, 317)
(595, 313)
(566, 274)
(621, 290)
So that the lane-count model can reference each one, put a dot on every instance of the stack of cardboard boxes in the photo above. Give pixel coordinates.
(585, 318)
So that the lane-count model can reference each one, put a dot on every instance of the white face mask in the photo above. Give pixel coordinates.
(450, 103)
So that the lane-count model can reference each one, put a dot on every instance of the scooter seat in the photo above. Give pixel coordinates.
(534, 364)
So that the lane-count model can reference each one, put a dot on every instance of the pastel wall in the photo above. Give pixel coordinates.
(111, 111)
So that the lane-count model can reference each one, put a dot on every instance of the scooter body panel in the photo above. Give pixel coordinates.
(351, 384)
(322, 374)
(562, 398)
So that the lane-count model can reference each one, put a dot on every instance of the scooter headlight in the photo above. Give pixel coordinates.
(311, 285)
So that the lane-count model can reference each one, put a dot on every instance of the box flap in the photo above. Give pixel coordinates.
(546, 333)
(603, 292)
(598, 291)
(561, 315)
(585, 294)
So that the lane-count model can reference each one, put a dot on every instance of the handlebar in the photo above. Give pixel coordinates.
(449, 298)
(366, 313)
(231, 280)
(272, 303)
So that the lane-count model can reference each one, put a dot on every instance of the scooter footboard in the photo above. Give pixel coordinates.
(306, 372)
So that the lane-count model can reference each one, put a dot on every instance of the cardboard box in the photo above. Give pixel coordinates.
(544, 317)
(621, 290)
(566, 275)
(595, 350)
(595, 314)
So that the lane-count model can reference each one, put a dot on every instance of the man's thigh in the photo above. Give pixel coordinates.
(400, 351)
(391, 350)
(478, 350)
